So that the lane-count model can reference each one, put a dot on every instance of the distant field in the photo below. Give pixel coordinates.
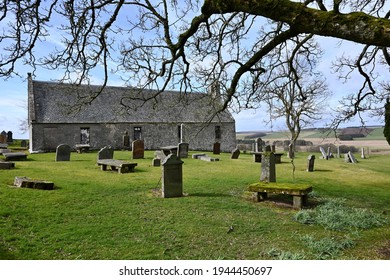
(376, 134)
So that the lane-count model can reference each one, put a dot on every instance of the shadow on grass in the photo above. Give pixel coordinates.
(6, 255)
(209, 194)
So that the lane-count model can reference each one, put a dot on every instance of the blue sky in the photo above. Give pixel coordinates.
(13, 101)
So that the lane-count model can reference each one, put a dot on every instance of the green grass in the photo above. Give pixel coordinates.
(93, 214)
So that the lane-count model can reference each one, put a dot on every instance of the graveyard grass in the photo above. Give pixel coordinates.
(93, 214)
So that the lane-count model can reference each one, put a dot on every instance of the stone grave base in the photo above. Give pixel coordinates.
(25, 182)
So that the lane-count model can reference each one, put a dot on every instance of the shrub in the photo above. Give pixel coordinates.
(327, 247)
(334, 215)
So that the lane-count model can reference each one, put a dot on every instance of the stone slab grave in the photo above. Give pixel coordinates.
(167, 150)
(26, 182)
(120, 166)
(204, 157)
(298, 191)
(105, 158)
(6, 164)
(3, 146)
(82, 148)
(172, 177)
(268, 183)
(15, 156)
(4, 151)
(63, 152)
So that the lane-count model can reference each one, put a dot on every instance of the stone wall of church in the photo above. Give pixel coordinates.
(201, 137)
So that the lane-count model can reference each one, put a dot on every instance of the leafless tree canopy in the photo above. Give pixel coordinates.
(190, 45)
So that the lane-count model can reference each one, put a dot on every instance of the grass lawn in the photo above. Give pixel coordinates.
(93, 214)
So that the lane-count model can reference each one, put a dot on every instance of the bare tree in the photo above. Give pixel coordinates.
(292, 88)
(187, 45)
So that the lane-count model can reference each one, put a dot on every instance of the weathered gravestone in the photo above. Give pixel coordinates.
(4, 151)
(3, 137)
(217, 148)
(363, 153)
(324, 155)
(23, 143)
(268, 170)
(338, 152)
(126, 141)
(156, 161)
(106, 152)
(235, 153)
(9, 137)
(310, 163)
(259, 145)
(172, 177)
(6, 165)
(63, 152)
(182, 151)
(350, 158)
(138, 148)
(26, 182)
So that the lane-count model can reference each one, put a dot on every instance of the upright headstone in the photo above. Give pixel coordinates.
(63, 152)
(217, 148)
(329, 154)
(273, 147)
(3, 137)
(310, 163)
(363, 154)
(106, 152)
(138, 148)
(338, 152)
(182, 151)
(23, 143)
(259, 145)
(172, 177)
(235, 153)
(9, 137)
(268, 170)
(126, 141)
(324, 155)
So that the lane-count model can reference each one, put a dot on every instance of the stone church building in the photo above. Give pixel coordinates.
(60, 113)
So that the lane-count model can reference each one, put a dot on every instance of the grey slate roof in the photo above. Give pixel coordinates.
(57, 103)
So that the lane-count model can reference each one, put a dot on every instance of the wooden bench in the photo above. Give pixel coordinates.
(120, 165)
(15, 156)
(298, 191)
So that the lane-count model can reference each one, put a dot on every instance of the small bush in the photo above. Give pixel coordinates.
(334, 215)
(327, 247)
(285, 255)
